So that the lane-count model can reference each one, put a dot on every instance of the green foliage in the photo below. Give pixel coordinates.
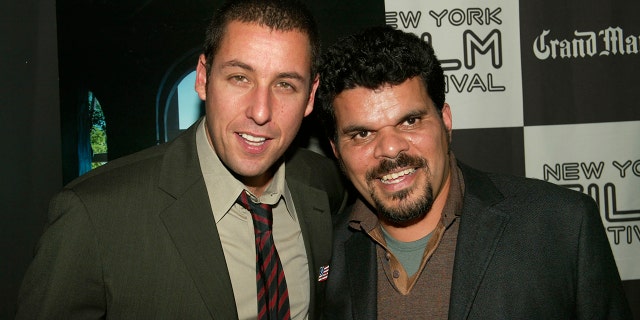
(98, 140)
(98, 132)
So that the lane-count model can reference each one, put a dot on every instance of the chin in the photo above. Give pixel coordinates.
(404, 207)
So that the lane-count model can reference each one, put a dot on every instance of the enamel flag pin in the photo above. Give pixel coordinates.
(324, 273)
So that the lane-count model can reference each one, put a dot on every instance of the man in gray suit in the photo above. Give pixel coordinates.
(431, 238)
(158, 235)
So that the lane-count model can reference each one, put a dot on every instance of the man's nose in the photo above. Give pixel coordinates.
(260, 107)
(390, 143)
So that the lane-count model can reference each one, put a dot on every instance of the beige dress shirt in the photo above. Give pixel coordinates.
(237, 234)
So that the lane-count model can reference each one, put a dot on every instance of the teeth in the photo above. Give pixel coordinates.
(251, 138)
(388, 178)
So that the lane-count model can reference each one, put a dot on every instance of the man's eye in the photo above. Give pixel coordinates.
(239, 78)
(361, 134)
(286, 86)
(411, 121)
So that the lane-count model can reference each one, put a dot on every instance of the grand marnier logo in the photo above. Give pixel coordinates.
(606, 42)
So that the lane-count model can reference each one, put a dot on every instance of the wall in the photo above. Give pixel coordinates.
(30, 162)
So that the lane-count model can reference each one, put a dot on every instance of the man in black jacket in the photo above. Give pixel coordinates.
(431, 238)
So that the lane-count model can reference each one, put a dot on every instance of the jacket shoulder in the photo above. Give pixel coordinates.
(144, 166)
(524, 194)
(318, 171)
(122, 169)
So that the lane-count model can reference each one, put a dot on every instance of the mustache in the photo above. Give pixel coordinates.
(387, 165)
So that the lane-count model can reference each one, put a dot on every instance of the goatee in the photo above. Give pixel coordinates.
(407, 211)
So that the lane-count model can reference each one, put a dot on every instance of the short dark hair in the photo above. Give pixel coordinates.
(281, 15)
(372, 58)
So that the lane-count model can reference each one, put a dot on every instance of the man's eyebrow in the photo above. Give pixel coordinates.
(291, 75)
(353, 128)
(413, 114)
(242, 65)
(236, 63)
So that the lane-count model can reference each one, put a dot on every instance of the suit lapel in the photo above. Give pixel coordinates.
(360, 253)
(313, 211)
(481, 227)
(315, 222)
(189, 221)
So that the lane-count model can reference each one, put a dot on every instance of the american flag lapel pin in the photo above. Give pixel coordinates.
(324, 273)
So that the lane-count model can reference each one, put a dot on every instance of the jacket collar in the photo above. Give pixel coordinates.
(481, 227)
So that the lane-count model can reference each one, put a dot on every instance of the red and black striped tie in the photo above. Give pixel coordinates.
(273, 297)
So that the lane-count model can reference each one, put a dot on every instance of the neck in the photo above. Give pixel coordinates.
(257, 185)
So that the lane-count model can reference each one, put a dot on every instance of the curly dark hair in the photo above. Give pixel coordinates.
(281, 15)
(372, 58)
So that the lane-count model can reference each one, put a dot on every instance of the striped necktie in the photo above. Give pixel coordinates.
(273, 297)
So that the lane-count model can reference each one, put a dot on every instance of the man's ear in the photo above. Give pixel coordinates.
(447, 120)
(312, 95)
(335, 149)
(201, 78)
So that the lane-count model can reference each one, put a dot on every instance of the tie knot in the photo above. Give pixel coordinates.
(260, 212)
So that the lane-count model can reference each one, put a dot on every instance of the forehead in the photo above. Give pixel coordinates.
(387, 103)
(253, 40)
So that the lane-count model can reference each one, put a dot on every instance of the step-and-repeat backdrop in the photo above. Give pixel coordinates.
(559, 81)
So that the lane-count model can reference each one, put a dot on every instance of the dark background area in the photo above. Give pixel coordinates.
(39, 133)
(30, 159)
(604, 82)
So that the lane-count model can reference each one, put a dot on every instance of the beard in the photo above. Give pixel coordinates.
(412, 204)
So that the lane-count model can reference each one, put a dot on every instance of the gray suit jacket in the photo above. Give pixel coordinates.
(136, 239)
(526, 249)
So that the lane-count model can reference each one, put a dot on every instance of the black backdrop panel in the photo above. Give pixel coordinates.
(593, 81)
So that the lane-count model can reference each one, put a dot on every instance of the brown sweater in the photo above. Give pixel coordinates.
(426, 293)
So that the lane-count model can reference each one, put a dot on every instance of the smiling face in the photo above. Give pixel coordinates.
(394, 146)
(256, 97)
